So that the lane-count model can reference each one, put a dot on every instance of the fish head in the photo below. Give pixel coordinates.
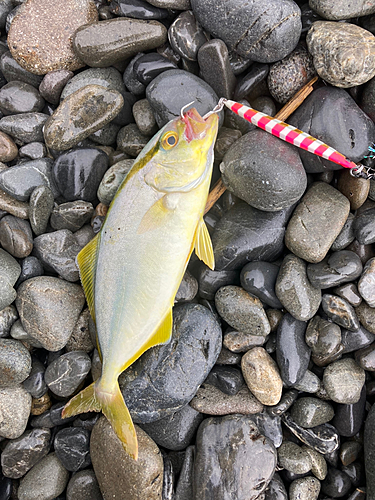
(184, 153)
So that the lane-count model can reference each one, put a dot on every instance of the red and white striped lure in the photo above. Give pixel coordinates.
(292, 135)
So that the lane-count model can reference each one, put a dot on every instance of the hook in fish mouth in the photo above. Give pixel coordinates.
(219, 106)
(184, 107)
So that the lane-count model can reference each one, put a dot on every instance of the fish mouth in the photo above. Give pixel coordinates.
(196, 127)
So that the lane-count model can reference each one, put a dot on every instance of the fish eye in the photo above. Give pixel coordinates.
(169, 140)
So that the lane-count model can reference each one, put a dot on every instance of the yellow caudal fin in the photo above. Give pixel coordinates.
(203, 245)
(112, 404)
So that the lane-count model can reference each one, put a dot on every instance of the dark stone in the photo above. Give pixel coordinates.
(336, 484)
(349, 292)
(346, 235)
(366, 284)
(144, 117)
(149, 66)
(184, 487)
(84, 486)
(196, 341)
(246, 234)
(334, 270)
(365, 357)
(30, 267)
(55, 414)
(72, 215)
(364, 227)
(13, 71)
(226, 378)
(293, 354)
(26, 127)
(276, 489)
(64, 375)
(72, 448)
(35, 384)
(8, 316)
(176, 431)
(77, 173)
(112, 179)
(186, 36)
(250, 453)
(257, 73)
(324, 338)
(293, 458)
(226, 137)
(210, 281)
(188, 288)
(269, 426)
(309, 412)
(340, 311)
(9, 273)
(138, 9)
(369, 452)
(130, 80)
(285, 403)
(16, 236)
(131, 140)
(19, 97)
(106, 135)
(354, 340)
(258, 31)
(53, 84)
(33, 151)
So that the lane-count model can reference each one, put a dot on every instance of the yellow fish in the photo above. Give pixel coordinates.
(133, 267)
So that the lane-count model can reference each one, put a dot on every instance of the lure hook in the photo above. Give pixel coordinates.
(184, 107)
(219, 106)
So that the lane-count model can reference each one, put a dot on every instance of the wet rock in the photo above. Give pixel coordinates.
(14, 207)
(309, 383)
(369, 444)
(242, 342)
(149, 66)
(226, 137)
(108, 42)
(293, 354)
(131, 140)
(136, 9)
(130, 80)
(350, 42)
(35, 384)
(349, 452)
(8, 316)
(286, 402)
(72, 448)
(262, 376)
(263, 171)
(276, 489)
(366, 284)
(310, 412)
(246, 234)
(17, 332)
(325, 341)
(15, 404)
(256, 74)
(62, 133)
(8, 149)
(305, 487)
(294, 458)
(196, 340)
(13, 71)
(213, 59)
(354, 340)
(340, 311)
(144, 117)
(318, 463)
(9, 272)
(366, 358)
(226, 378)
(334, 270)
(20, 97)
(72, 215)
(64, 374)
(186, 36)
(53, 84)
(310, 233)
(112, 179)
(346, 10)
(258, 278)
(176, 431)
(117, 473)
(21, 180)
(296, 293)
(354, 188)
(343, 381)
(210, 281)
(80, 339)
(337, 484)
(364, 228)
(26, 127)
(21, 454)
(346, 235)
(84, 486)
(49, 308)
(40, 208)
(16, 236)
(366, 316)
(188, 288)
(15, 362)
(263, 32)
(30, 268)
(47, 479)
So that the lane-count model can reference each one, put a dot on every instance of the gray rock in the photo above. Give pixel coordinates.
(343, 381)
(188, 288)
(64, 374)
(352, 341)
(366, 358)
(15, 362)
(369, 450)
(40, 208)
(226, 137)
(17, 332)
(336, 483)
(9, 273)
(31, 267)
(53, 84)
(107, 135)
(20, 97)
(210, 281)
(131, 81)
(84, 486)
(184, 487)
(242, 311)
(72, 215)
(257, 31)
(21, 454)
(276, 489)
(310, 233)
(12, 206)
(294, 458)
(366, 284)
(26, 127)
(242, 342)
(286, 402)
(131, 140)
(324, 338)
(47, 480)
(307, 488)
(338, 268)
(310, 412)
(8, 316)
(15, 404)
(259, 278)
(346, 235)
(49, 308)
(186, 35)
(72, 448)
(340, 311)
(112, 179)
(16, 236)
(366, 316)
(80, 339)
(226, 378)
(329, 9)
(196, 341)
(35, 383)
(250, 454)
(13, 71)
(309, 383)
(318, 463)
(296, 293)
(144, 117)
(349, 292)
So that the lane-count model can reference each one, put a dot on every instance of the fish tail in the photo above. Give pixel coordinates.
(112, 404)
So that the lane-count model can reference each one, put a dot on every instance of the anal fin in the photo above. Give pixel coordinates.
(203, 245)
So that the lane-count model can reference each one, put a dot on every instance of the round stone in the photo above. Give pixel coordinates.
(354, 188)
(307, 488)
(366, 284)
(9, 273)
(53, 84)
(8, 315)
(40, 208)
(20, 97)
(15, 362)
(15, 405)
(8, 148)
(310, 412)
(84, 486)
(16, 236)
(112, 179)
(186, 35)
(72, 448)
(343, 381)
(64, 374)
(294, 458)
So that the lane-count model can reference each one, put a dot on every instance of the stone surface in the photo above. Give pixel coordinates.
(329, 9)
(84, 486)
(369, 450)
(8, 149)
(15, 362)
(49, 308)
(20, 97)
(16, 236)
(72, 448)
(354, 340)
(334, 46)
(40, 208)
(247, 452)
(15, 404)
(349, 292)
(108, 42)
(256, 74)
(112, 179)
(9, 273)
(80, 339)
(64, 375)
(307, 488)
(72, 215)
(366, 284)
(366, 358)
(26, 127)
(309, 412)
(346, 235)
(35, 384)
(324, 338)
(340, 311)
(258, 278)
(293, 458)
(336, 483)
(188, 288)
(8, 315)
(316, 222)
(144, 117)
(13, 71)
(354, 188)
(118, 475)
(334, 270)
(263, 171)
(14, 207)
(131, 140)
(213, 59)
(186, 35)
(53, 83)
(226, 378)
(136, 9)
(196, 341)
(50, 30)
(343, 381)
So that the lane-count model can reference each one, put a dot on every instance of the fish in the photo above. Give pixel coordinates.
(131, 270)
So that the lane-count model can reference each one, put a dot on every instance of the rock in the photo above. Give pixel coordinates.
(8, 149)
(343, 381)
(350, 132)
(49, 31)
(340, 311)
(324, 338)
(173, 89)
(15, 404)
(8, 315)
(226, 137)
(11, 71)
(286, 402)
(262, 376)
(15, 362)
(366, 284)
(369, 443)
(108, 42)
(72, 448)
(78, 173)
(226, 378)
(171, 4)
(35, 384)
(49, 308)
(64, 375)
(354, 340)
(334, 270)
(26, 127)
(349, 452)
(47, 480)
(58, 251)
(14, 207)
(9, 272)
(31, 267)
(106, 135)
(351, 43)
(364, 228)
(149, 66)
(242, 342)
(293, 354)
(276, 489)
(263, 171)
(20, 97)
(246, 234)
(210, 281)
(263, 32)
(258, 278)
(17, 332)
(366, 358)
(366, 316)
(80, 339)
(188, 288)
(251, 454)
(40, 208)
(131, 140)
(310, 233)
(176, 431)
(144, 117)
(309, 383)
(130, 80)
(53, 84)
(296, 293)
(120, 476)
(346, 235)
(346, 10)
(84, 486)
(309, 412)
(354, 188)
(318, 463)
(137, 10)
(112, 179)
(336, 484)
(196, 340)
(16, 236)
(288, 76)
(186, 36)
(256, 74)
(21, 454)
(294, 458)
(61, 133)
(72, 215)
(21, 180)
(307, 488)
(349, 292)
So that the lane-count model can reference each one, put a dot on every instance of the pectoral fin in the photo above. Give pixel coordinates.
(86, 261)
(203, 245)
(153, 218)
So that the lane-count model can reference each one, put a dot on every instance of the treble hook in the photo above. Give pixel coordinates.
(184, 107)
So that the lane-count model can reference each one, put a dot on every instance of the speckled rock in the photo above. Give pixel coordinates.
(309, 412)
(366, 284)
(9, 273)
(84, 486)
(334, 47)
(15, 362)
(80, 339)
(112, 179)
(355, 189)
(242, 342)
(15, 405)
(131, 140)
(72, 215)
(293, 458)
(49, 308)
(49, 31)
(307, 488)
(40, 208)
(340, 311)
(346, 235)
(26, 127)
(16, 236)
(118, 475)
(64, 374)
(14, 207)
(108, 42)
(8, 315)
(316, 222)
(19, 333)
(144, 117)
(53, 83)
(329, 9)
(343, 381)
(324, 338)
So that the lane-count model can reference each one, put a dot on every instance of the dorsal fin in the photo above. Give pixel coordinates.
(86, 262)
(203, 245)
